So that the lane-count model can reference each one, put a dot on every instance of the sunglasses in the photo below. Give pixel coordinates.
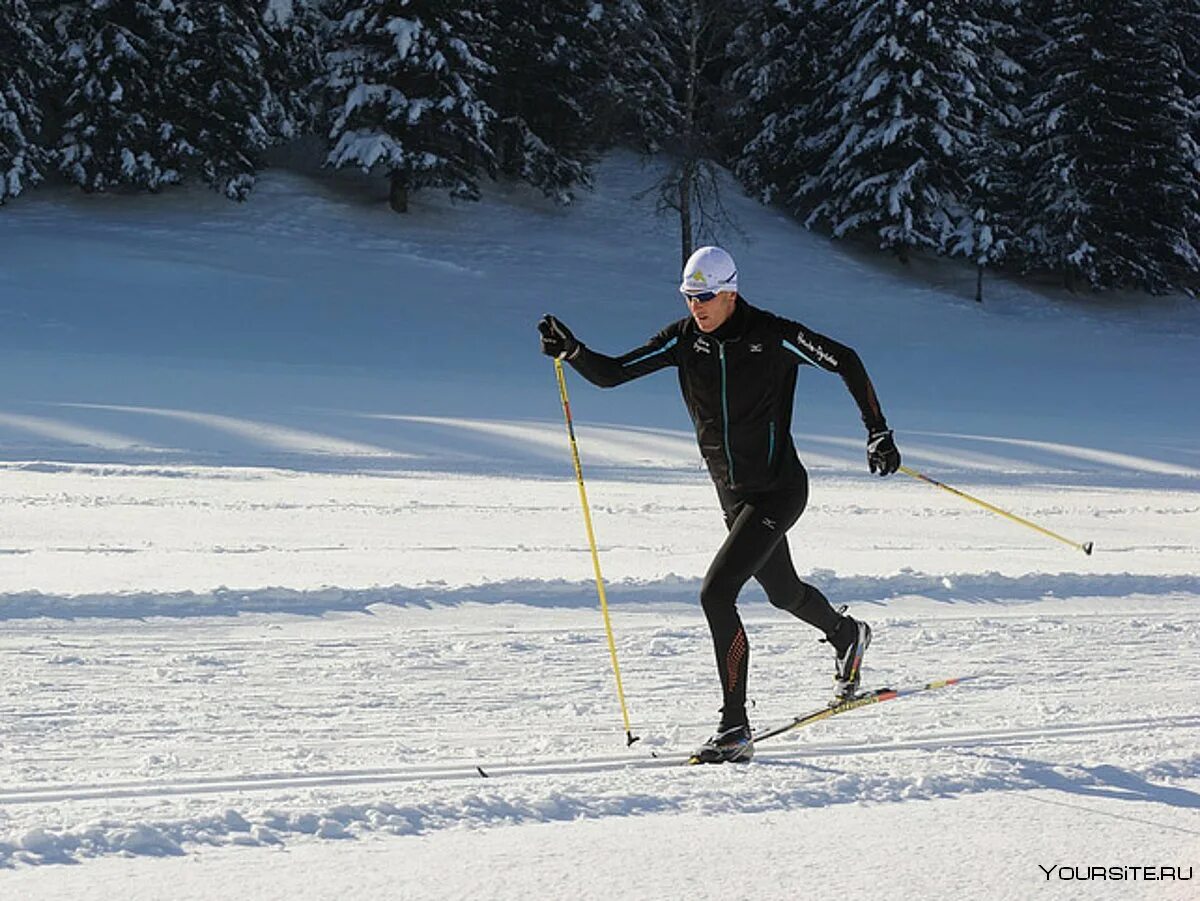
(702, 297)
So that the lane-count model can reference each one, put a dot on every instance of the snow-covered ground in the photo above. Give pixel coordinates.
(291, 555)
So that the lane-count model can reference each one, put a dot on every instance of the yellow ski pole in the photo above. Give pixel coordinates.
(630, 738)
(1086, 547)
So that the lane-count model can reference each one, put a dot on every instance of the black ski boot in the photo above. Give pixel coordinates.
(731, 745)
(850, 642)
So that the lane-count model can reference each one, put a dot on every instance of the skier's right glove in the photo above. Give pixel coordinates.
(882, 455)
(557, 340)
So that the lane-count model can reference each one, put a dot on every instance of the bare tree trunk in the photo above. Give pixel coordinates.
(979, 282)
(398, 193)
(686, 177)
(691, 189)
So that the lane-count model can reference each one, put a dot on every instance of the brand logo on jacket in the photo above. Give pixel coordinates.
(756, 348)
(701, 346)
(819, 352)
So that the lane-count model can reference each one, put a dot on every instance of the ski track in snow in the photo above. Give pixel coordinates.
(99, 703)
(201, 656)
(129, 730)
(150, 711)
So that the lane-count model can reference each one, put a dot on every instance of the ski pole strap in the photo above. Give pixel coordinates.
(630, 738)
(1086, 546)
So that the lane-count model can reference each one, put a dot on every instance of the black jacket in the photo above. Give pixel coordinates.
(738, 383)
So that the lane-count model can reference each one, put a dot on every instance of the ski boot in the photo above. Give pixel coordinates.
(850, 642)
(732, 745)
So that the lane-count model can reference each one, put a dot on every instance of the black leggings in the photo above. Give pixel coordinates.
(757, 547)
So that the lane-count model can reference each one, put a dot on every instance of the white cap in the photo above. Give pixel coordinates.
(709, 269)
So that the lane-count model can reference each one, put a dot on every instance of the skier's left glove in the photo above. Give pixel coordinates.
(882, 455)
(557, 340)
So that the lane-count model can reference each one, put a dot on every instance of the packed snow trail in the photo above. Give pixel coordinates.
(1067, 689)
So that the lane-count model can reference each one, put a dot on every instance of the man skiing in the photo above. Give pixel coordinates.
(737, 368)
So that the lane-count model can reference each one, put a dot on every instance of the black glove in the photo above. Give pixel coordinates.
(557, 340)
(882, 455)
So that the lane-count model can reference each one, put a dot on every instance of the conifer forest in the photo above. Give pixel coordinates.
(1056, 137)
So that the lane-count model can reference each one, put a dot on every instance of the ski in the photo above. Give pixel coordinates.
(865, 699)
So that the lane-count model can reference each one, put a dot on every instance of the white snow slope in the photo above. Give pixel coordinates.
(291, 556)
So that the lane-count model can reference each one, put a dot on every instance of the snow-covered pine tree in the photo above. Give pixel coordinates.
(1114, 194)
(405, 84)
(899, 124)
(118, 111)
(1185, 35)
(293, 60)
(246, 78)
(1055, 233)
(995, 194)
(783, 50)
(1152, 230)
(224, 103)
(549, 57)
(1030, 21)
(1185, 29)
(24, 73)
(637, 105)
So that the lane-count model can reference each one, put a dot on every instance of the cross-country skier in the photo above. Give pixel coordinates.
(737, 369)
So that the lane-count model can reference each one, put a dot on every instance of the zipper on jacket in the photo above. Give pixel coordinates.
(725, 409)
(771, 444)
